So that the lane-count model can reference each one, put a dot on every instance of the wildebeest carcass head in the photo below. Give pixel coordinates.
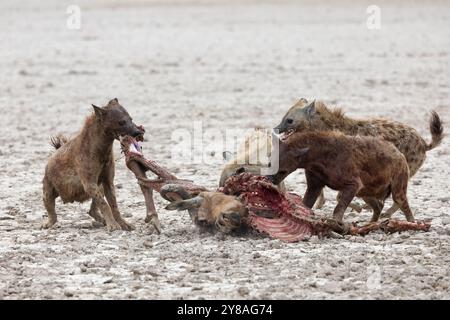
(208, 209)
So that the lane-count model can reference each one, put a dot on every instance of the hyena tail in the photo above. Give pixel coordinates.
(437, 131)
(58, 141)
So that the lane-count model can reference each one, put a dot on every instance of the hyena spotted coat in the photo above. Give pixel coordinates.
(317, 116)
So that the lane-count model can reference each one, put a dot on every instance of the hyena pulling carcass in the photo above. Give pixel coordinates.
(82, 168)
(366, 167)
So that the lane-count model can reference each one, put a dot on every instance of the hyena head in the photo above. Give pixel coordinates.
(115, 120)
(313, 115)
(296, 116)
(210, 209)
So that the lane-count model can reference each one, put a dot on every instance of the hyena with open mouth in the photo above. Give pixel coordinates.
(304, 116)
(82, 168)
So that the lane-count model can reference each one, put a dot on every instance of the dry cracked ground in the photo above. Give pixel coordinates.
(228, 65)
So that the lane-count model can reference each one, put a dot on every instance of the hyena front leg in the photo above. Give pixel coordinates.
(346, 197)
(354, 206)
(314, 188)
(111, 198)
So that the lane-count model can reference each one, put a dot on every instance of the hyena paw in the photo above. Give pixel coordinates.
(48, 224)
(113, 226)
(98, 224)
(100, 221)
(125, 225)
(154, 221)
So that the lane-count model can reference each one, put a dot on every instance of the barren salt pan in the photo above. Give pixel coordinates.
(230, 65)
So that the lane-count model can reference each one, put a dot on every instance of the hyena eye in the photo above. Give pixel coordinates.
(122, 122)
(289, 121)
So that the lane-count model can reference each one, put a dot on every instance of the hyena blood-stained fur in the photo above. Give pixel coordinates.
(367, 167)
(82, 168)
(305, 116)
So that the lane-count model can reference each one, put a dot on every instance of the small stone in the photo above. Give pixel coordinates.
(331, 287)
(276, 244)
(256, 255)
(136, 272)
(127, 215)
(68, 293)
(314, 240)
(447, 228)
(442, 231)
(109, 280)
(405, 235)
(243, 291)
(148, 244)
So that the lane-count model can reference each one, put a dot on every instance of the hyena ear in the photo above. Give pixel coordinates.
(303, 100)
(310, 109)
(99, 112)
(114, 101)
(185, 204)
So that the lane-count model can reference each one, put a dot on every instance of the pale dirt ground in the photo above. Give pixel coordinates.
(231, 66)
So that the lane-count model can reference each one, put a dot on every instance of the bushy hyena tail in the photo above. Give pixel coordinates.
(437, 131)
(58, 141)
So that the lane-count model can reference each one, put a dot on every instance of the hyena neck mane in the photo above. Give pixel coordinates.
(335, 119)
(94, 137)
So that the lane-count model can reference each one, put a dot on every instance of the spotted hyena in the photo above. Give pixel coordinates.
(317, 116)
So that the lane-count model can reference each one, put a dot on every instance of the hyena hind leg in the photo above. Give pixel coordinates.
(95, 213)
(400, 198)
(49, 197)
(376, 206)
